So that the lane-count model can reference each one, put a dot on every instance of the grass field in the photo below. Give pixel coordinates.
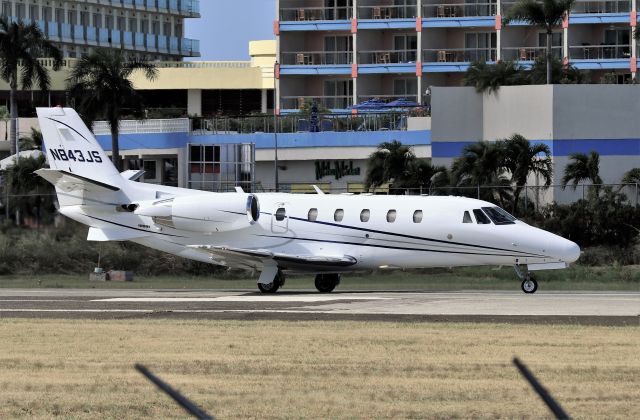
(575, 278)
(83, 369)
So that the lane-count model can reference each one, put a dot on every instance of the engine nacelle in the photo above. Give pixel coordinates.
(205, 213)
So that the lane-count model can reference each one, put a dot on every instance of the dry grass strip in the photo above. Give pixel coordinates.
(234, 369)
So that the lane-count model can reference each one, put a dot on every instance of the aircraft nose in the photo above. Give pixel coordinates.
(570, 251)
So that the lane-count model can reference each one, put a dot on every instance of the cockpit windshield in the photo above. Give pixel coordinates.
(499, 216)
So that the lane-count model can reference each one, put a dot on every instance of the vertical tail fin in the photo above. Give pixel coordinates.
(73, 151)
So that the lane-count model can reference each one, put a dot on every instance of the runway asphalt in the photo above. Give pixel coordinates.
(591, 308)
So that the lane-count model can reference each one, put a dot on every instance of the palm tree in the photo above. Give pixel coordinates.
(424, 176)
(522, 159)
(560, 74)
(546, 14)
(100, 87)
(33, 141)
(632, 176)
(482, 164)
(489, 77)
(583, 167)
(389, 163)
(21, 44)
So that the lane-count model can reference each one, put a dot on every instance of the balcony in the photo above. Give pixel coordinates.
(311, 14)
(183, 7)
(387, 12)
(459, 55)
(454, 9)
(602, 6)
(596, 57)
(328, 102)
(529, 53)
(387, 57)
(316, 62)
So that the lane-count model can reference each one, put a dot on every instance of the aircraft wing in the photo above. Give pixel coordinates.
(256, 258)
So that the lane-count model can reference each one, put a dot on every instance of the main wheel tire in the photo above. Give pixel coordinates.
(325, 283)
(529, 285)
(269, 288)
(278, 282)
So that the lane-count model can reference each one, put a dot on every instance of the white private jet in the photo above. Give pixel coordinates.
(277, 233)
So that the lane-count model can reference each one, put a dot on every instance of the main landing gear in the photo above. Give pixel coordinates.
(272, 287)
(325, 283)
(529, 283)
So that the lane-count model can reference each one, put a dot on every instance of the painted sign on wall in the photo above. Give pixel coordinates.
(336, 168)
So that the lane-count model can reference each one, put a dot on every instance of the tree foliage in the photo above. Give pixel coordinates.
(101, 88)
(21, 44)
(489, 77)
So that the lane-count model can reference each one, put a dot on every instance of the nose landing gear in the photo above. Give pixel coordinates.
(529, 283)
(273, 286)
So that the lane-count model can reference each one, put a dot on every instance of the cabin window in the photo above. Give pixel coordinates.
(281, 213)
(499, 216)
(313, 215)
(417, 216)
(365, 215)
(391, 216)
(481, 218)
(338, 215)
(466, 218)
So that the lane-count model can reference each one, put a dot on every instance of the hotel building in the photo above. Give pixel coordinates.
(151, 29)
(342, 52)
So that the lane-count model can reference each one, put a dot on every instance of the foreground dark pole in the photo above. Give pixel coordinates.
(184, 402)
(542, 391)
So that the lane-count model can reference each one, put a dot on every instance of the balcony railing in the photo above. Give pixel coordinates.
(301, 14)
(452, 10)
(316, 58)
(602, 6)
(529, 53)
(387, 57)
(387, 12)
(459, 55)
(599, 52)
(188, 6)
(329, 102)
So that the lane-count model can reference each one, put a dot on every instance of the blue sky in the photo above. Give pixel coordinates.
(227, 26)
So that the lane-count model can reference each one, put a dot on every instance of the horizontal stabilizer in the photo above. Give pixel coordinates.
(113, 234)
(67, 181)
(133, 174)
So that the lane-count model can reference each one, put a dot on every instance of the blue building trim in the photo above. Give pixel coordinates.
(446, 67)
(315, 70)
(387, 68)
(317, 25)
(560, 148)
(590, 18)
(459, 22)
(267, 141)
(601, 64)
(387, 24)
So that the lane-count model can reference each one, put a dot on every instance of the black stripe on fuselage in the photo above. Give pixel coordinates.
(402, 235)
(134, 228)
(441, 251)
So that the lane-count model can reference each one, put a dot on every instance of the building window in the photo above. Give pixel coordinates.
(391, 216)
(34, 12)
(221, 167)
(338, 215)
(406, 88)
(313, 215)
(417, 216)
(480, 46)
(365, 215)
(150, 170)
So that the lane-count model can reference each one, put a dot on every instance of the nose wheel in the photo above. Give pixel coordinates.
(272, 287)
(529, 283)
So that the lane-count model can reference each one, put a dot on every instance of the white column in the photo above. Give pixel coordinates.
(194, 102)
(498, 31)
(263, 100)
(276, 82)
